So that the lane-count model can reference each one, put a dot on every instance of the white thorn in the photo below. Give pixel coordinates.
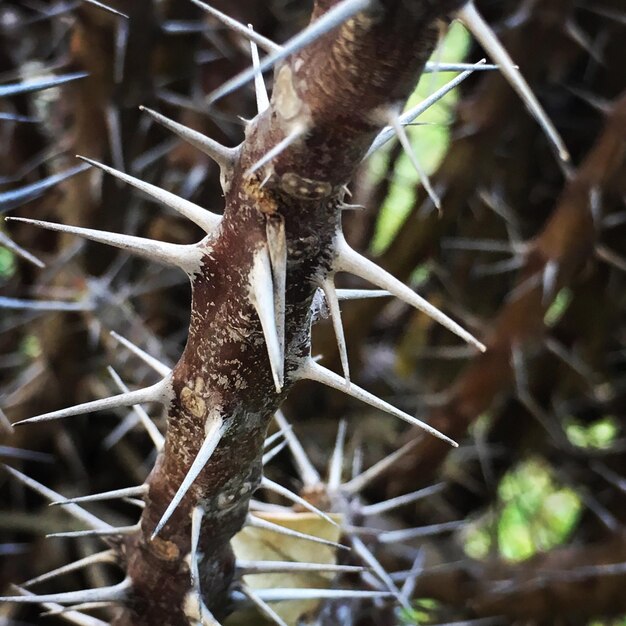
(82, 606)
(268, 456)
(43, 305)
(366, 554)
(74, 510)
(310, 370)
(261, 296)
(74, 617)
(278, 567)
(206, 220)
(358, 294)
(128, 492)
(114, 530)
(214, 432)
(416, 569)
(475, 23)
(107, 8)
(154, 393)
(116, 593)
(153, 432)
(295, 594)
(407, 117)
(394, 503)
(249, 33)
(330, 20)
(296, 133)
(7, 242)
(196, 524)
(5, 422)
(408, 149)
(336, 460)
(223, 156)
(358, 483)
(265, 608)
(270, 485)
(350, 261)
(277, 248)
(407, 534)
(272, 439)
(108, 556)
(457, 67)
(262, 99)
(154, 363)
(14, 89)
(306, 470)
(187, 257)
(328, 286)
(257, 522)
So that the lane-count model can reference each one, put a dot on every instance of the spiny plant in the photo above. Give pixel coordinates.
(260, 277)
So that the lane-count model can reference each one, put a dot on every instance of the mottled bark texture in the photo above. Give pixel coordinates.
(341, 90)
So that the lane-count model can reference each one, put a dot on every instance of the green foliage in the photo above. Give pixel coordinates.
(7, 263)
(430, 140)
(599, 434)
(533, 513)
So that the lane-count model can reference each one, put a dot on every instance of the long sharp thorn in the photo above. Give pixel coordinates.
(306, 470)
(408, 149)
(187, 257)
(277, 248)
(15, 197)
(204, 219)
(332, 300)
(108, 556)
(295, 594)
(37, 85)
(223, 156)
(297, 133)
(358, 483)
(350, 261)
(83, 606)
(313, 371)
(409, 584)
(265, 608)
(332, 19)
(270, 485)
(366, 554)
(7, 242)
(155, 364)
(277, 567)
(196, 525)
(457, 67)
(43, 305)
(74, 510)
(359, 294)
(5, 422)
(257, 522)
(268, 456)
(128, 492)
(153, 432)
(261, 296)
(154, 393)
(475, 23)
(248, 32)
(272, 439)
(113, 531)
(107, 8)
(403, 500)
(74, 617)
(336, 460)
(214, 432)
(406, 534)
(262, 99)
(409, 116)
(116, 593)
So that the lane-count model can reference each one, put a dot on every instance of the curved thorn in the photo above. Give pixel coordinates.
(206, 220)
(350, 261)
(330, 20)
(261, 295)
(257, 522)
(310, 370)
(332, 300)
(214, 433)
(475, 23)
(270, 485)
(187, 257)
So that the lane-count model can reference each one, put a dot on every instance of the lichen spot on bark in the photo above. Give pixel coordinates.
(287, 103)
(191, 398)
(305, 188)
(164, 550)
(259, 197)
